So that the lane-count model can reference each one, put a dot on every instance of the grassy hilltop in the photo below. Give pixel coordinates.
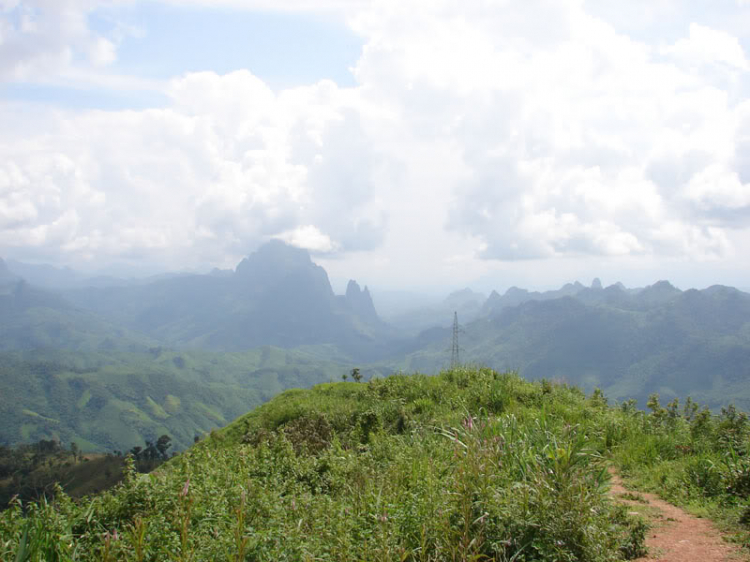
(466, 465)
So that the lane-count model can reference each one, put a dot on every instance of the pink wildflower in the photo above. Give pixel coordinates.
(185, 488)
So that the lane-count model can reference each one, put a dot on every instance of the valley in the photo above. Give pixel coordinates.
(112, 365)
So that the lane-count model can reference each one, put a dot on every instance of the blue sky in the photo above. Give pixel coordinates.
(284, 49)
(425, 144)
(160, 41)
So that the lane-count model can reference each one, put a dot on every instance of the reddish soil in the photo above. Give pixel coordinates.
(677, 536)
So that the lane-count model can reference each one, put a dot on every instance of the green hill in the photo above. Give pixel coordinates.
(467, 465)
(116, 400)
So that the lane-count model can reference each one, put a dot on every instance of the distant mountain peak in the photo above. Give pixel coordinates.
(463, 293)
(661, 291)
(516, 291)
(662, 286)
(274, 254)
(216, 272)
(352, 289)
(460, 299)
(6, 275)
(360, 302)
(596, 283)
(575, 286)
(616, 287)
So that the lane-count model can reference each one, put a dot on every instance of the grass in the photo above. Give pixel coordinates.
(466, 465)
(633, 496)
(692, 459)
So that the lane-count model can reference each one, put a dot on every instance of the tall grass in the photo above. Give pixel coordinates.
(466, 465)
(691, 458)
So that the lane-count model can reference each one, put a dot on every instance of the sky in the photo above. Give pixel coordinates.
(418, 145)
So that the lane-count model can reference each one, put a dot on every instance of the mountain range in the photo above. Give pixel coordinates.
(276, 296)
(630, 343)
(112, 347)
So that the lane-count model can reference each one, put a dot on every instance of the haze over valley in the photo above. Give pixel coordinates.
(112, 363)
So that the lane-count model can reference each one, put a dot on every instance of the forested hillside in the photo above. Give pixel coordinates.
(116, 400)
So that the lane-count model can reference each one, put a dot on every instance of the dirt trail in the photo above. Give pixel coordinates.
(675, 535)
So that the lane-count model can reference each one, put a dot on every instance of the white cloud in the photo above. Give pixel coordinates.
(308, 237)
(557, 127)
(327, 6)
(475, 130)
(709, 46)
(102, 52)
(226, 166)
(46, 41)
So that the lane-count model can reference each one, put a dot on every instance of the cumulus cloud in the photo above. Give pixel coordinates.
(574, 140)
(330, 6)
(480, 129)
(40, 39)
(308, 237)
(709, 46)
(226, 166)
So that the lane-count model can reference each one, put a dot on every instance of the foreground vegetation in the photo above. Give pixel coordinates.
(691, 458)
(467, 465)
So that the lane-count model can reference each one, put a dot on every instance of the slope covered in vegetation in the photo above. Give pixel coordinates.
(116, 400)
(467, 465)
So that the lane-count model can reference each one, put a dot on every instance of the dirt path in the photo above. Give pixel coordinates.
(676, 536)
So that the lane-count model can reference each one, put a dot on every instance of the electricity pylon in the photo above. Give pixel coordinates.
(455, 361)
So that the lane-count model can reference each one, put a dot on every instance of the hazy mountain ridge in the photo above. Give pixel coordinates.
(32, 318)
(413, 321)
(628, 343)
(65, 278)
(276, 296)
(6, 275)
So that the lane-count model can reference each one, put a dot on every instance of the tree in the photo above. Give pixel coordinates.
(74, 450)
(162, 444)
(150, 452)
(356, 375)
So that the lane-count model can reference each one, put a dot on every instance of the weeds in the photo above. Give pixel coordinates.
(467, 465)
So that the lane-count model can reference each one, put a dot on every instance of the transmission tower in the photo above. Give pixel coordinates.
(454, 348)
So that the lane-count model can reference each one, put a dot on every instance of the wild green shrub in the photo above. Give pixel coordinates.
(737, 474)
(466, 465)
(701, 474)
